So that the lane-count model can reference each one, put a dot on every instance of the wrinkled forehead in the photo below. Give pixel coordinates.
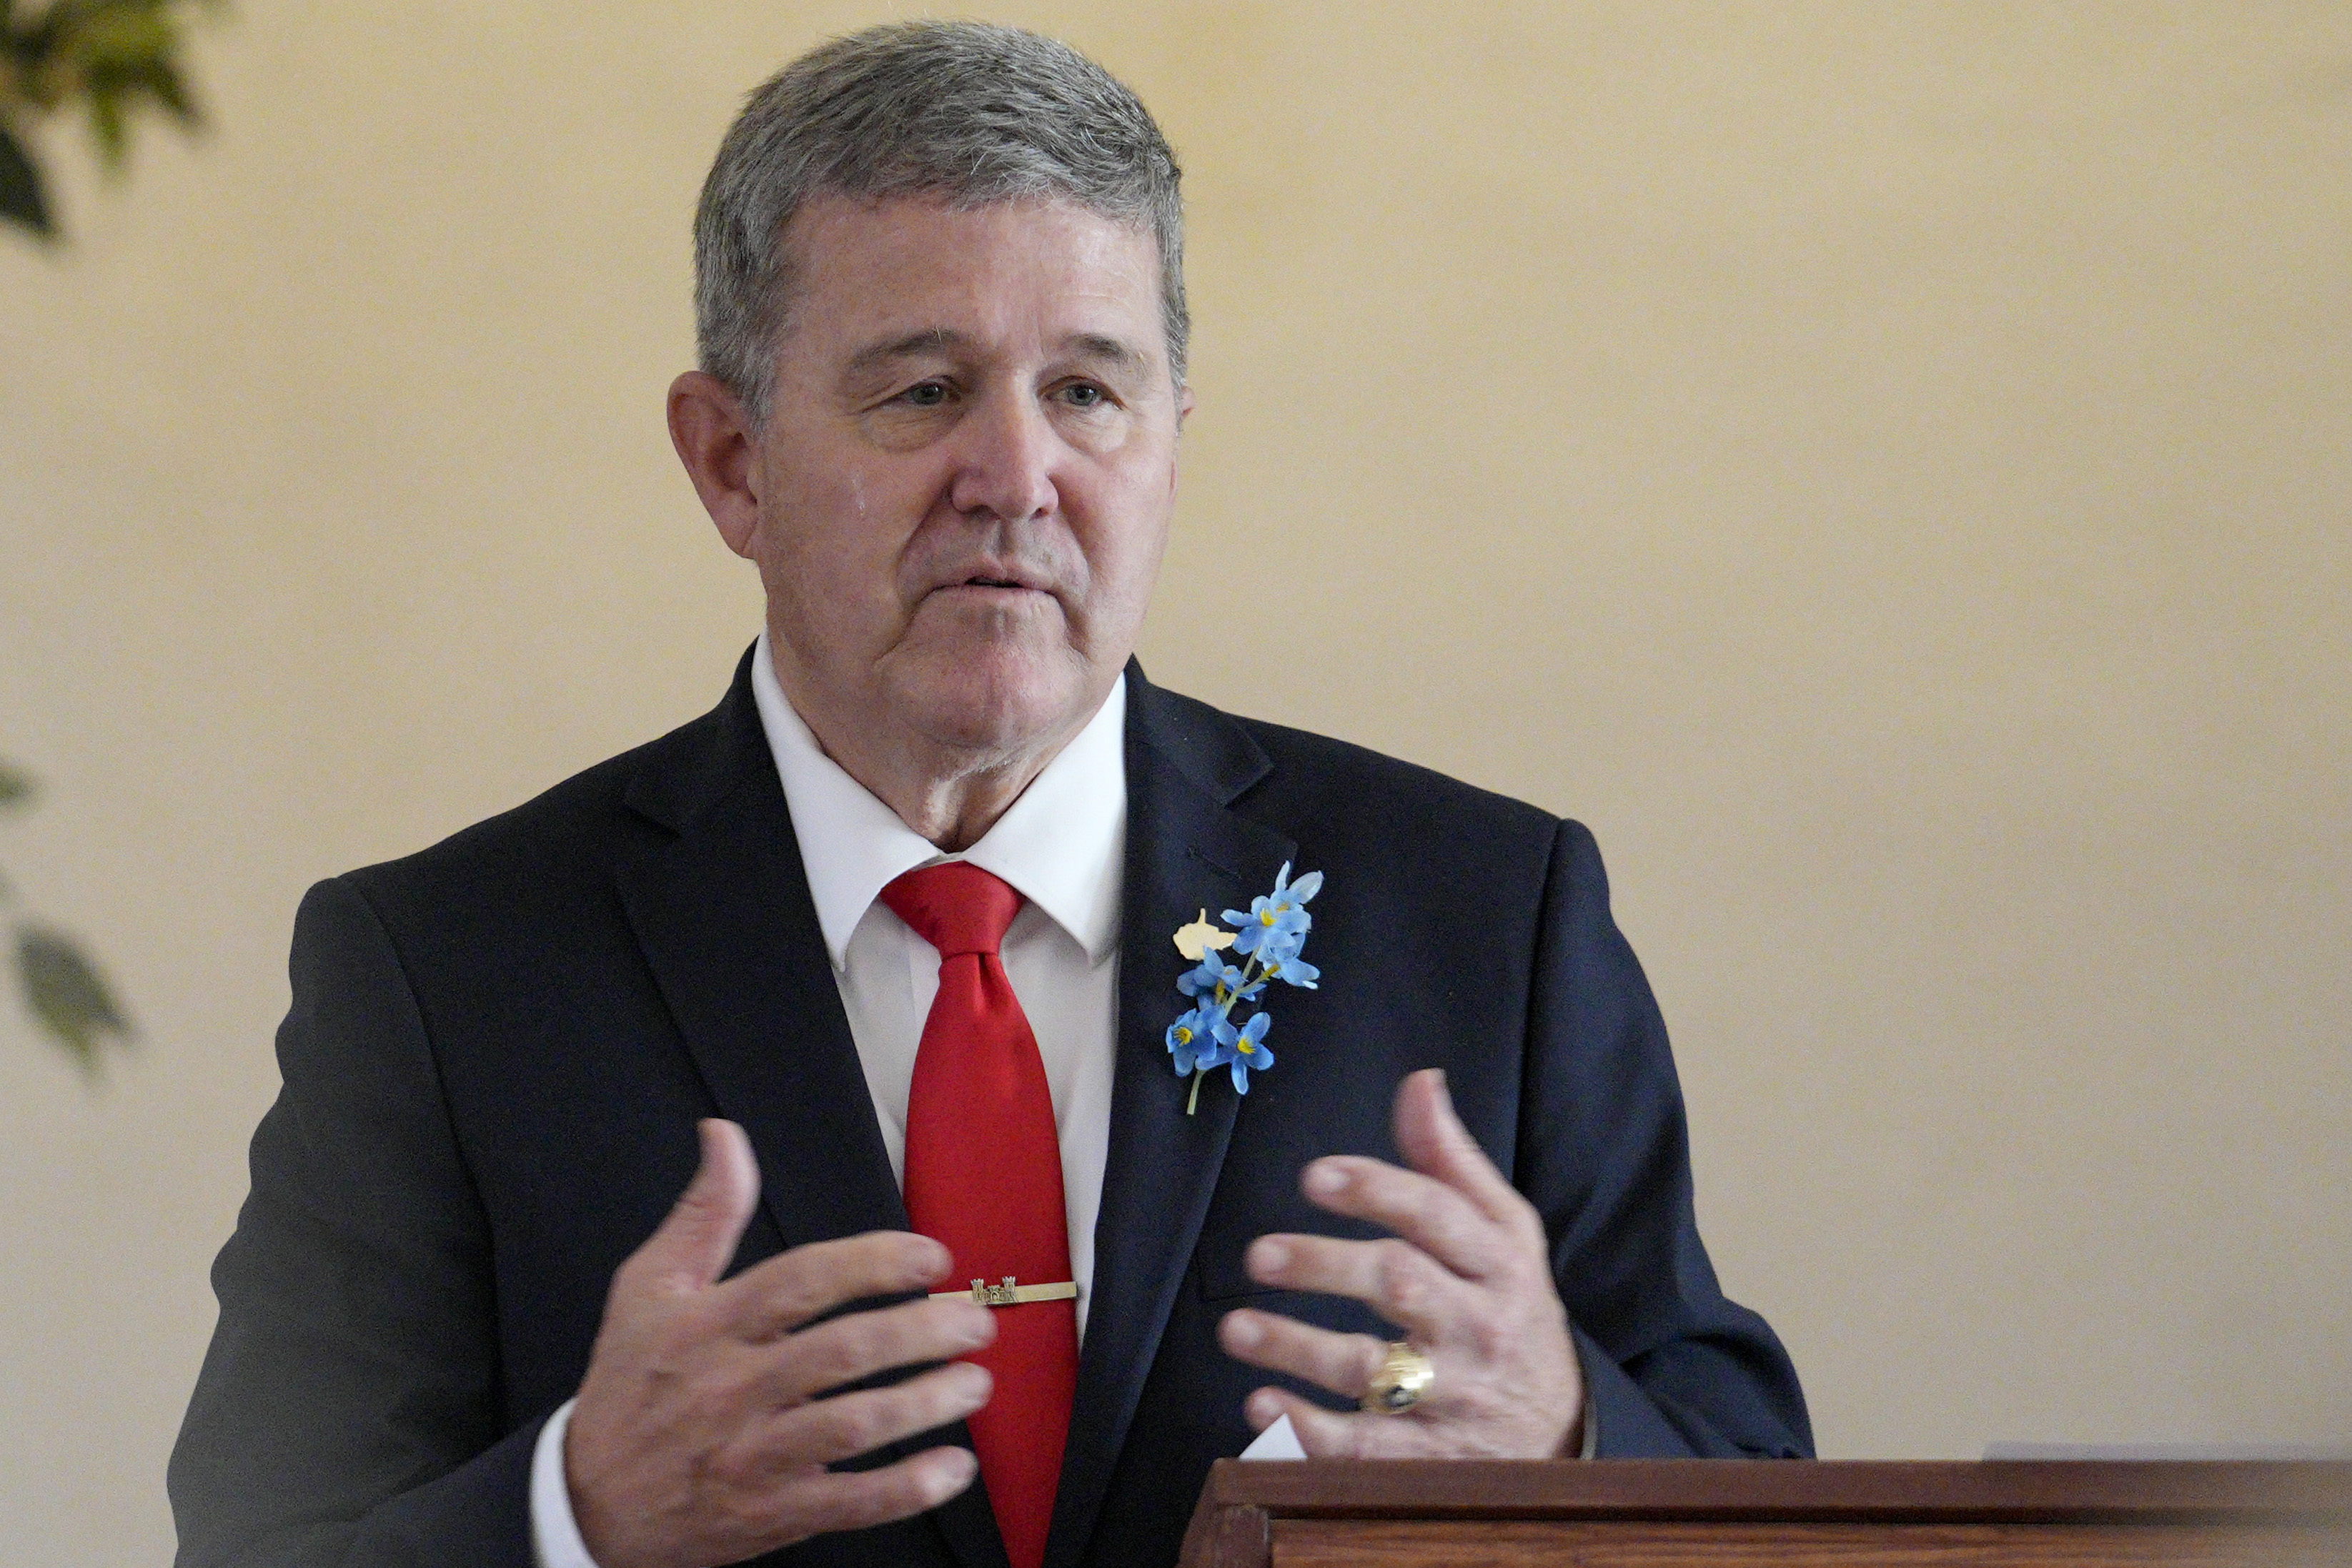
(856, 272)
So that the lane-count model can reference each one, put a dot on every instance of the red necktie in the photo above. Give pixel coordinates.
(984, 1176)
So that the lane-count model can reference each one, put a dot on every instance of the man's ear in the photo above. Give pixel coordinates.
(712, 432)
(1183, 412)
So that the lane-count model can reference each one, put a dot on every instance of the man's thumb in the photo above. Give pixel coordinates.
(693, 1245)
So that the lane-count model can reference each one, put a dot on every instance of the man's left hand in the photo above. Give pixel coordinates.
(1467, 1277)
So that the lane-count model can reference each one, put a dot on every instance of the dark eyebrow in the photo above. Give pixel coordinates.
(930, 341)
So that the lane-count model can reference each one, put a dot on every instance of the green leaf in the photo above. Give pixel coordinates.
(170, 90)
(16, 786)
(113, 59)
(22, 200)
(123, 34)
(67, 994)
(107, 126)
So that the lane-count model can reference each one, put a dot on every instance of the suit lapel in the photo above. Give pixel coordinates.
(723, 914)
(1185, 851)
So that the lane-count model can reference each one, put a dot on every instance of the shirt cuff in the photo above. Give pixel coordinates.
(554, 1534)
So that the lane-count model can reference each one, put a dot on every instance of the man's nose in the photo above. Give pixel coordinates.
(1007, 450)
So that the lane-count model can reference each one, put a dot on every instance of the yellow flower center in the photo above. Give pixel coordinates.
(1273, 969)
(1266, 918)
(1247, 1049)
(1183, 1037)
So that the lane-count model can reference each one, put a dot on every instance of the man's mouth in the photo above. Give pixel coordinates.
(999, 580)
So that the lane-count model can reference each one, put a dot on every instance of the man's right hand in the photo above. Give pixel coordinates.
(703, 1428)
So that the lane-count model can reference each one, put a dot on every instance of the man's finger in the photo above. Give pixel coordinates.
(1329, 1435)
(775, 1297)
(857, 1345)
(1441, 1221)
(859, 1499)
(1396, 1278)
(1344, 1364)
(827, 1431)
(692, 1246)
(1434, 1142)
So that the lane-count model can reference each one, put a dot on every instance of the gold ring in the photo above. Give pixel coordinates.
(1401, 1382)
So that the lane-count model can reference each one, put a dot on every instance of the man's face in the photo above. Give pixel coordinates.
(964, 484)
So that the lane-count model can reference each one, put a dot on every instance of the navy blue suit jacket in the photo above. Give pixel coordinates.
(499, 1048)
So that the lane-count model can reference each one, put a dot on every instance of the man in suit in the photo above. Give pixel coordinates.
(874, 963)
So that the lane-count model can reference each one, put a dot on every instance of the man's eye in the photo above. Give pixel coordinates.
(1082, 395)
(926, 394)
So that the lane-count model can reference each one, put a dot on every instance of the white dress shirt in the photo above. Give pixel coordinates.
(1063, 846)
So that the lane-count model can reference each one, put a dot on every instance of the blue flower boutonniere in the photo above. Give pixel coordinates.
(1269, 935)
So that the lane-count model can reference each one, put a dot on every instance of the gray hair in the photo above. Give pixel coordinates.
(974, 113)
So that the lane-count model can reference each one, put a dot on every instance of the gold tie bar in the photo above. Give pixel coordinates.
(1011, 1294)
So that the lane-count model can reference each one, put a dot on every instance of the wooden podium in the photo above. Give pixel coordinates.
(1642, 1513)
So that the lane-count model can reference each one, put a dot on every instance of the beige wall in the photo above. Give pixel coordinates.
(1884, 467)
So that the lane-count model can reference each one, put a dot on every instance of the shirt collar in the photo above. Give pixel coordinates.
(1061, 843)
